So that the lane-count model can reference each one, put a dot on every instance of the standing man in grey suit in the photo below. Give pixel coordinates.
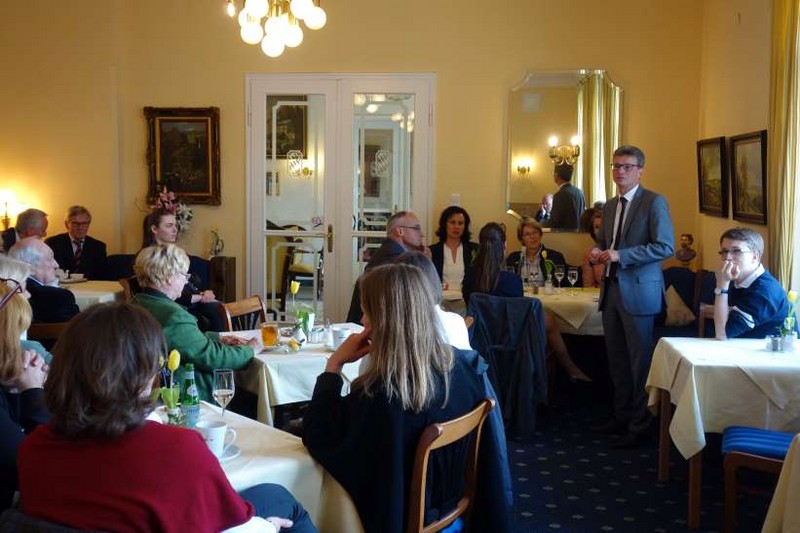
(635, 236)
(568, 203)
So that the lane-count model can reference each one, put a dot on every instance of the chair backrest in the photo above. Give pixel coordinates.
(437, 436)
(130, 286)
(244, 314)
(15, 521)
(46, 331)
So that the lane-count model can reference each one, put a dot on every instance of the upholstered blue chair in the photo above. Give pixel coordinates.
(757, 449)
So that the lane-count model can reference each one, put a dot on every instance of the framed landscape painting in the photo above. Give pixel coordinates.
(712, 177)
(749, 177)
(183, 153)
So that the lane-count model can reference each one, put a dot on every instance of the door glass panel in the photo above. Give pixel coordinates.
(382, 166)
(293, 207)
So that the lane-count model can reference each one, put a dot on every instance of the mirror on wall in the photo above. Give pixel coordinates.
(561, 113)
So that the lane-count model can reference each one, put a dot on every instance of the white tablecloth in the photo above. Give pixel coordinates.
(282, 378)
(576, 313)
(784, 513)
(93, 292)
(715, 384)
(269, 455)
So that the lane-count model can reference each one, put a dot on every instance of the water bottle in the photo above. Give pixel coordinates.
(190, 400)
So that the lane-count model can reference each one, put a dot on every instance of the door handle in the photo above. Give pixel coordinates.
(330, 238)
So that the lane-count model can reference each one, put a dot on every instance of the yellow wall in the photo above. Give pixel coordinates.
(77, 74)
(734, 96)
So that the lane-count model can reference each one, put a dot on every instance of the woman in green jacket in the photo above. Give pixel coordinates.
(162, 271)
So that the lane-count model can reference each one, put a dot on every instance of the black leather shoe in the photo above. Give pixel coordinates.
(610, 427)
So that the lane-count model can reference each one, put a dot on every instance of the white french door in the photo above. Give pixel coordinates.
(329, 158)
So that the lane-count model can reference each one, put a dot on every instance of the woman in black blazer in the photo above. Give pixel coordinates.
(454, 254)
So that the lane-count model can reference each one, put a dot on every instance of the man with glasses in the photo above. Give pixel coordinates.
(635, 236)
(49, 303)
(748, 301)
(403, 233)
(75, 250)
(30, 223)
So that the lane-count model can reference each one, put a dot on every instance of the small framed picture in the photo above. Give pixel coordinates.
(183, 153)
(712, 177)
(749, 177)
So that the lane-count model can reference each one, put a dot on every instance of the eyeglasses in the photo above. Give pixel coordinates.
(625, 167)
(79, 224)
(416, 228)
(16, 287)
(735, 252)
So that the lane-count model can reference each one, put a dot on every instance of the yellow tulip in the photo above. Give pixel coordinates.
(174, 360)
(544, 254)
(294, 287)
(792, 296)
(160, 361)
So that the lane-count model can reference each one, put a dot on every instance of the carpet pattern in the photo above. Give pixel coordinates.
(568, 479)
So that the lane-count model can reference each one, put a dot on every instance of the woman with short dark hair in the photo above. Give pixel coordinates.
(116, 470)
(454, 254)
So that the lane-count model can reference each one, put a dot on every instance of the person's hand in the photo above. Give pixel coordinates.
(426, 250)
(279, 522)
(34, 371)
(594, 255)
(233, 340)
(727, 271)
(253, 343)
(606, 256)
(207, 296)
(352, 349)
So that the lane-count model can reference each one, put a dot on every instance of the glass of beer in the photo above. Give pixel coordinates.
(269, 334)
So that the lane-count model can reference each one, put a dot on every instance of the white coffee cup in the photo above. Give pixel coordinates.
(338, 335)
(215, 433)
(76, 276)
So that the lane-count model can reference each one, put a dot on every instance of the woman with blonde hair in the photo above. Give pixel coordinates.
(368, 438)
(22, 374)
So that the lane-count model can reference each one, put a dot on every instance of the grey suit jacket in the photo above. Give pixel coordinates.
(568, 206)
(647, 239)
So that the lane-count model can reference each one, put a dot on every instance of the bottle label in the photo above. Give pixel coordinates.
(191, 391)
(191, 414)
(189, 374)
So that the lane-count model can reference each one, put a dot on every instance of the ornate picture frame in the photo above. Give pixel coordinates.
(748, 160)
(712, 177)
(183, 153)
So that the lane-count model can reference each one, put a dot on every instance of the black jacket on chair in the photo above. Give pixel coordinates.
(510, 334)
(51, 304)
(93, 255)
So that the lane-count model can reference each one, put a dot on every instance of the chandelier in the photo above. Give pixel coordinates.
(566, 153)
(281, 25)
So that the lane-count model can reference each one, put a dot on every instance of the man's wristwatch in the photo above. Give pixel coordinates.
(719, 291)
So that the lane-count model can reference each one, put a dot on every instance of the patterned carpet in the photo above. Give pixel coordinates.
(569, 480)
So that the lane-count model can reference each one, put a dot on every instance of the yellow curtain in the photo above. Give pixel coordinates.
(599, 103)
(784, 126)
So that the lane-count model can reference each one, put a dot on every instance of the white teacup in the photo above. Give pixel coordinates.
(215, 433)
(338, 336)
(76, 276)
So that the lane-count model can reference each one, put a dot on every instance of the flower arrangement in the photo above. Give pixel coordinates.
(790, 320)
(171, 394)
(548, 264)
(303, 312)
(184, 214)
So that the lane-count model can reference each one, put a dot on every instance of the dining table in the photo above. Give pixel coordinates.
(575, 309)
(263, 454)
(714, 384)
(783, 514)
(90, 292)
(281, 376)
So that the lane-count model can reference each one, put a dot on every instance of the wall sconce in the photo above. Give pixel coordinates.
(6, 197)
(564, 154)
(523, 170)
(294, 159)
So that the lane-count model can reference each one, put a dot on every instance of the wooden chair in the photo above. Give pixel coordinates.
(130, 286)
(46, 333)
(754, 448)
(437, 436)
(244, 314)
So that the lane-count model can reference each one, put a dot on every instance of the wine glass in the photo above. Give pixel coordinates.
(224, 387)
(572, 277)
(559, 274)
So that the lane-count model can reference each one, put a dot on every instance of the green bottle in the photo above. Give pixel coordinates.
(190, 401)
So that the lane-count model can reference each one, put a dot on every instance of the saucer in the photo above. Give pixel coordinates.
(72, 281)
(232, 452)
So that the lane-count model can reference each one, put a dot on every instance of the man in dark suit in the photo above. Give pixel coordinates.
(75, 250)
(403, 233)
(635, 236)
(568, 203)
(49, 303)
(30, 223)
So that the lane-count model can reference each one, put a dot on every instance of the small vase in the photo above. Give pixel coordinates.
(548, 286)
(789, 341)
(175, 417)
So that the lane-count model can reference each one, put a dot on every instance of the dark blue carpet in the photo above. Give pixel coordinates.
(568, 479)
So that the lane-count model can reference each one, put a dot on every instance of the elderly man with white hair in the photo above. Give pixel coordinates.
(49, 303)
(30, 223)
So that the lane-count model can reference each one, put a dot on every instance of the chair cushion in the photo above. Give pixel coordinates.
(678, 313)
(756, 441)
